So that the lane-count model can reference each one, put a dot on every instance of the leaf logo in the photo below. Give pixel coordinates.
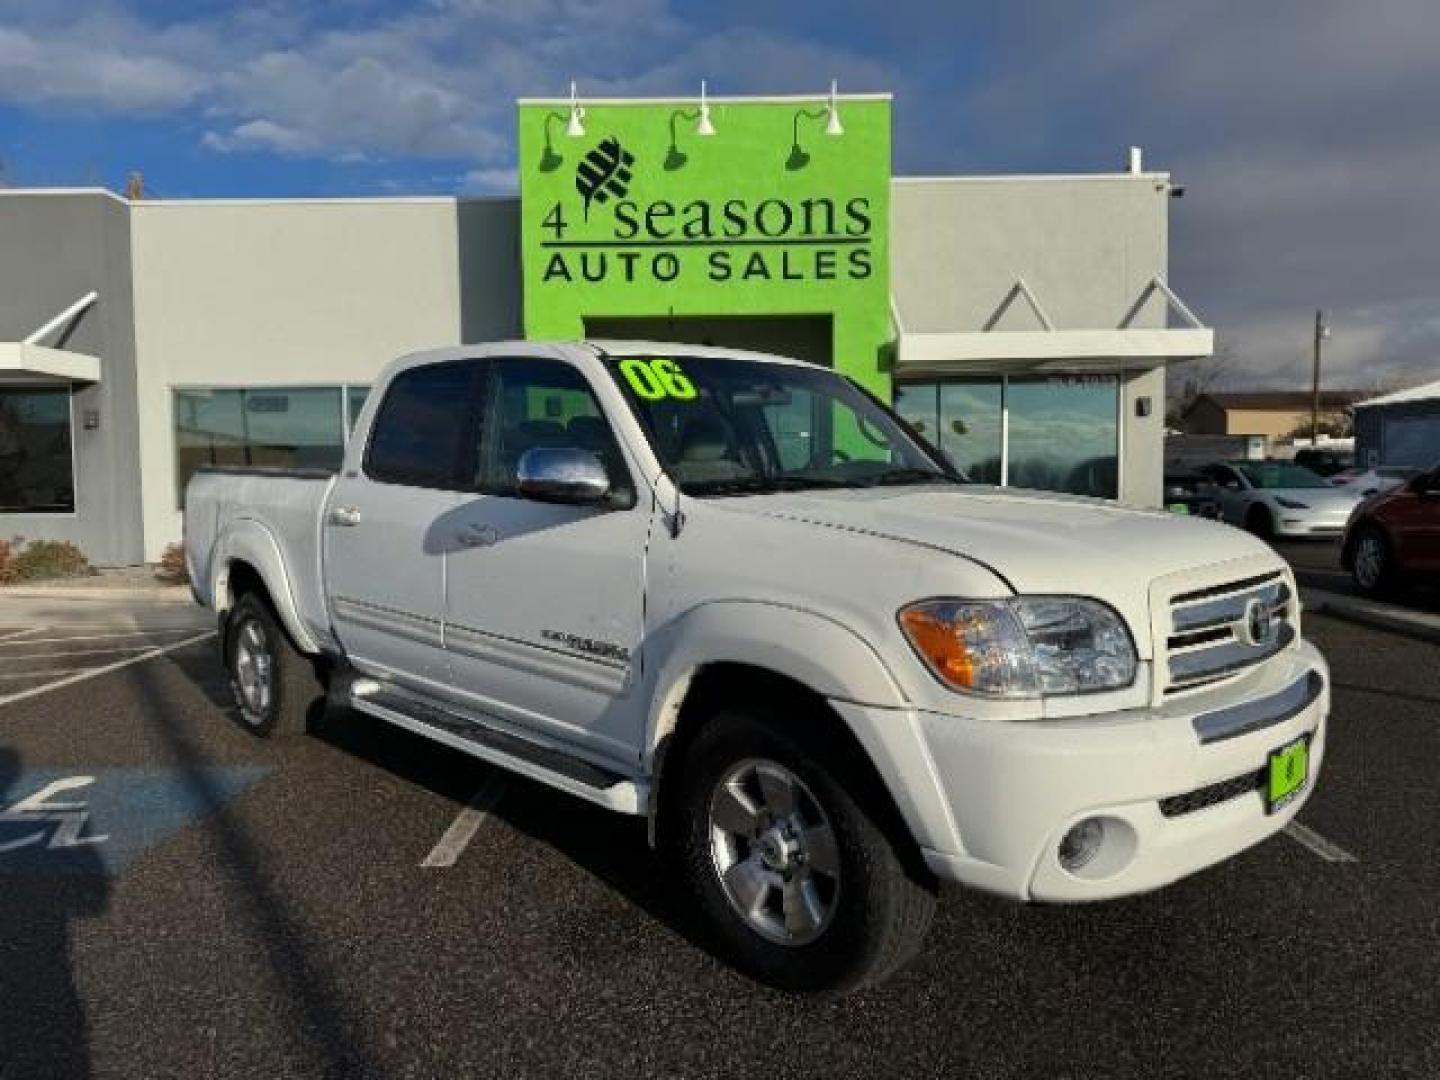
(603, 172)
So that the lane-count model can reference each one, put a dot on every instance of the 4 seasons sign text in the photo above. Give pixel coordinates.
(644, 217)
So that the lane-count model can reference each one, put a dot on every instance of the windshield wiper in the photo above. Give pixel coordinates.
(759, 485)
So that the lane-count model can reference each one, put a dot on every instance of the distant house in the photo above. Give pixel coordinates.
(1273, 413)
(1402, 428)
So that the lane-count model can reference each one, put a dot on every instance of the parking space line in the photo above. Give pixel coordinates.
(95, 637)
(18, 633)
(42, 674)
(466, 824)
(109, 650)
(1317, 844)
(105, 670)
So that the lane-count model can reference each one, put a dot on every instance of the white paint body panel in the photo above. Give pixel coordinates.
(807, 585)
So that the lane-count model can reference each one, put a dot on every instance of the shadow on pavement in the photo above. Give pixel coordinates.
(44, 890)
(320, 1019)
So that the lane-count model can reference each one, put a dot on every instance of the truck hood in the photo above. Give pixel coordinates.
(1037, 542)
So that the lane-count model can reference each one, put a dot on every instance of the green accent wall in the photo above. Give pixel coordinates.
(643, 218)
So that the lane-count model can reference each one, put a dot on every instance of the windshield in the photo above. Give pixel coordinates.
(1280, 475)
(726, 426)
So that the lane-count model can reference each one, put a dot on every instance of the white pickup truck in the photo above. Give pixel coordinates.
(737, 595)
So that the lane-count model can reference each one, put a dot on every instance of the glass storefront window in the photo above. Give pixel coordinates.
(1064, 434)
(1063, 431)
(297, 427)
(970, 428)
(354, 401)
(37, 474)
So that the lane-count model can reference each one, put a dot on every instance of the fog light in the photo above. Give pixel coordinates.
(1081, 844)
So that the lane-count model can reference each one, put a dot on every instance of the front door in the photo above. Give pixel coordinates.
(544, 602)
(384, 569)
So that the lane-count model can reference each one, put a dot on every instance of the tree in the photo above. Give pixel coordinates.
(1189, 380)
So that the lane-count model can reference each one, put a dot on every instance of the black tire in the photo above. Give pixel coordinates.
(1372, 562)
(287, 677)
(1261, 522)
(881, 899)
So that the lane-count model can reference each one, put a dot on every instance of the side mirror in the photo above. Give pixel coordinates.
(562, 475)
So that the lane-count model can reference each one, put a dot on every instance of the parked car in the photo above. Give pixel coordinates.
(1279, 499)
(1190, 494)
(1367, 482)
(1394, 538)
(827, 671)
(1323, 461)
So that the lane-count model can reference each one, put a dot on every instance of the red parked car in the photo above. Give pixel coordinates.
(1394, 537)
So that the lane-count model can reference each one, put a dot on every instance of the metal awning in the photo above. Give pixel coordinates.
(28, 361)
(1049, 348)
(21, 362)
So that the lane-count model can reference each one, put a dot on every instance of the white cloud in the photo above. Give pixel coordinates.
(504, 181)
(57, 71)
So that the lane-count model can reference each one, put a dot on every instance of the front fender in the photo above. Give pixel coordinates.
(249, 541)
(814, 650)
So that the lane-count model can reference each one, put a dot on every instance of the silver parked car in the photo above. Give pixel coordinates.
(1280, 499)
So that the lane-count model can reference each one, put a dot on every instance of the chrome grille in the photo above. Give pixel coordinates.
(1221, 630)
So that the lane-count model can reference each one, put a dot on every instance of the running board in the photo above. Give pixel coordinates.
(543, 763)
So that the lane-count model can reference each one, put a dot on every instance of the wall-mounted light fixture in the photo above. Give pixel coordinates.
(703, 126)
(829, 112)
(832, 123)
(575, 129)
(675, 158)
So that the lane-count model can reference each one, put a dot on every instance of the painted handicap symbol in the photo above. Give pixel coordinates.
(63, 823)
(101, 821)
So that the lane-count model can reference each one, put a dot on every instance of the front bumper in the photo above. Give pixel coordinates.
(1302, 523)
(1005, 792)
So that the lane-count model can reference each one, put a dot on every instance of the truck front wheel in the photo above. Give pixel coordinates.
(273, 683)
(791, 865)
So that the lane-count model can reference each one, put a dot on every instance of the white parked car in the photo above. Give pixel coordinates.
(1279, 499)
(1367, 482)
(730, 594)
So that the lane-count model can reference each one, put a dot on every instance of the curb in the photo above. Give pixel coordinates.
(1413, 624)
(164, 594)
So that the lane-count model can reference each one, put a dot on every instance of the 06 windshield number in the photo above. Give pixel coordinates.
(655, 380)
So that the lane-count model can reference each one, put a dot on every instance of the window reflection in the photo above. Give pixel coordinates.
(1063, 430)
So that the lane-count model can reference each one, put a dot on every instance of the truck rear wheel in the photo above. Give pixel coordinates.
(273, 683)
(790, 864)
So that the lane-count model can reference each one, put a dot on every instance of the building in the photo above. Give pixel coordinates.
(1276, 414)
(1023, 323)
(1402, 428)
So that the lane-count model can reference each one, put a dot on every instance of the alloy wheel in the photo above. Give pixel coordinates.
(253, 666)
(775, 852)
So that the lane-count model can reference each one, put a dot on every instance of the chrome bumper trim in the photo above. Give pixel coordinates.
(1254, 715)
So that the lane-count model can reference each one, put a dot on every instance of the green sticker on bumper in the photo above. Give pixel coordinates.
(1287, 773)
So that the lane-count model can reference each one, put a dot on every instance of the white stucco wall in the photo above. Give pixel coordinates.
(234, 293)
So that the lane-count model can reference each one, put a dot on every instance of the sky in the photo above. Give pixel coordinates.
(1306, 132)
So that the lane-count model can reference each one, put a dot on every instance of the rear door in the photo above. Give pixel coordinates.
(385, 568)
(545, 602)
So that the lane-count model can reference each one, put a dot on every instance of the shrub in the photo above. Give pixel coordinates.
(51, 559)
(171, 568)
(8, 572)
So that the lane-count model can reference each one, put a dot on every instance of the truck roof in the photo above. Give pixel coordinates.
(599, 347)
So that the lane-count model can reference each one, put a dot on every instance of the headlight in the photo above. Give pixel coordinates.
(1026, 647)
(1291, 504)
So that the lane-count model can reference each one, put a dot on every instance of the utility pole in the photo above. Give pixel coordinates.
(1321, 333)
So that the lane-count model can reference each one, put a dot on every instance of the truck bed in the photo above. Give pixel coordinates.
(273, 513)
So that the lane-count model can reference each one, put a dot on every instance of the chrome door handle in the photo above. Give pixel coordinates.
(477, 535)
(345, 515)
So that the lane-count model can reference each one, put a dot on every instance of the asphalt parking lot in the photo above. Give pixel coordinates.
(203, 904)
